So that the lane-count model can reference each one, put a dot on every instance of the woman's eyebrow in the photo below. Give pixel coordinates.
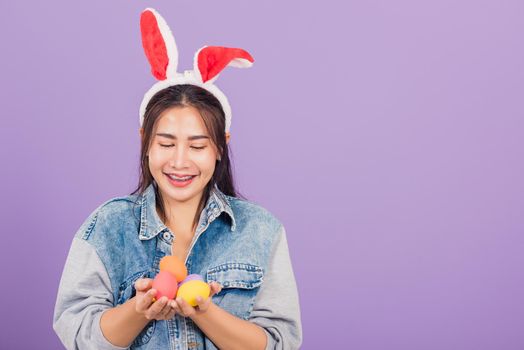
(173, 137)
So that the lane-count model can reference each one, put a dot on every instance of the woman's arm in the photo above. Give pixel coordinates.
(277, 307)
(229, 332)
(84, 315)
(274, 322)
(122, 324)
(83, 295)
(225, 330)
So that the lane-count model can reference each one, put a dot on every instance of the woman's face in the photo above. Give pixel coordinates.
(182, 155)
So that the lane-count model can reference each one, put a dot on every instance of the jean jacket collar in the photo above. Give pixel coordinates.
(151, 224)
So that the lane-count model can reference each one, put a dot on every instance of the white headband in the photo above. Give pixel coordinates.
(160, 49)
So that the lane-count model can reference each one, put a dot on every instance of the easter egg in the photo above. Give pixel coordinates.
(175, 266)
(192, 277)
(190, 290)
(165, 284)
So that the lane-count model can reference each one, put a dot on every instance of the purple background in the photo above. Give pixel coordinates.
(387, 136)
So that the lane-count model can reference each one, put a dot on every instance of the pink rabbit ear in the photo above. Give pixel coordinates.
(159, 44)
(211, 60)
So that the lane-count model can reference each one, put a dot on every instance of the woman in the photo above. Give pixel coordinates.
(185, 205)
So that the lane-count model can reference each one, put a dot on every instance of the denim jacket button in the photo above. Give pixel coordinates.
(167, 236)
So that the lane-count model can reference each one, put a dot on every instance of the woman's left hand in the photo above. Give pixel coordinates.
(183, 308)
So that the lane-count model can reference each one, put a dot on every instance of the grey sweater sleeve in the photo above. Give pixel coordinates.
(276, 307)
(84, 293)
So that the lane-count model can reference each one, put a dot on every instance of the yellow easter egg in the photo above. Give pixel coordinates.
(190, 290)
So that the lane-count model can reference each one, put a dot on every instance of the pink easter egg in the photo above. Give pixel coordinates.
(166, 285)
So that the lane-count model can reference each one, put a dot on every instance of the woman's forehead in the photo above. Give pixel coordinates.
(181, 122)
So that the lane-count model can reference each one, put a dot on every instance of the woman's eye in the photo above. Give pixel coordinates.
(195, 147)
(166, 146)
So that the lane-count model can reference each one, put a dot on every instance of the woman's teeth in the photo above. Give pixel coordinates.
(180, 178)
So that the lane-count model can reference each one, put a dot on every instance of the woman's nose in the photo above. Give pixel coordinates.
(181, 157)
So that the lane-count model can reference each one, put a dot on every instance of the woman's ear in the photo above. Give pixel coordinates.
(141, 130)
(228, 136)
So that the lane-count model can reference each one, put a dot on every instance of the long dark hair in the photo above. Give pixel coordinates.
(214, 119)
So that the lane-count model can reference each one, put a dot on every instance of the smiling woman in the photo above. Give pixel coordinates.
(185, 205)
(183, 124)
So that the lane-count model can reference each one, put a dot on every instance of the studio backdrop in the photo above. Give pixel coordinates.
(387, 136)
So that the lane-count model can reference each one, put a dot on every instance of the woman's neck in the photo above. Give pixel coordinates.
(180, 216)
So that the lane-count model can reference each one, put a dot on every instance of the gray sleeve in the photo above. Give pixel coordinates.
(276, 307)
(84, 293)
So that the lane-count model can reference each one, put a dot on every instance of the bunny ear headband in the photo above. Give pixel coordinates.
(160, 48)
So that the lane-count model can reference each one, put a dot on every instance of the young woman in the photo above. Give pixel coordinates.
(185, 205)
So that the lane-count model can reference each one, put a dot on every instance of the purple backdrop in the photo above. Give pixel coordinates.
(387, 136)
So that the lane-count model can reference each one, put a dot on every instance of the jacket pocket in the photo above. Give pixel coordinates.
(240, 283)
(236, 275)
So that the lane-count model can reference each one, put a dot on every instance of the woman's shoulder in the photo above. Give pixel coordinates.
(113, 212)
(119, 205)
(247, 210)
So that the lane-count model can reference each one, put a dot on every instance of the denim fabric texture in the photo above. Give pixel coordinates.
(232, 246)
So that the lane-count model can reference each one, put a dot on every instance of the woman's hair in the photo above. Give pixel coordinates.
(212, 114)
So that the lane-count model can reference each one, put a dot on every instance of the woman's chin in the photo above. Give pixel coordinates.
(179, 194)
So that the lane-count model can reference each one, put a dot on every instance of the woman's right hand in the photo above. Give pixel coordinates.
(144, 305)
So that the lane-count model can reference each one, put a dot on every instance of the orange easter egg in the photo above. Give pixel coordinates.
(175, 266)
(165, 284)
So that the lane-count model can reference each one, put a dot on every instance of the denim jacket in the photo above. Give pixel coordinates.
(237, 244)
